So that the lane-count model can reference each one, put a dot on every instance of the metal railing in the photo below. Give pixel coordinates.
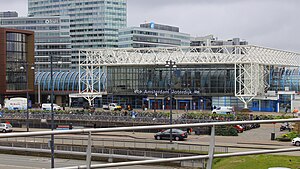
(105, 142)
(210, 155)
(110, 117)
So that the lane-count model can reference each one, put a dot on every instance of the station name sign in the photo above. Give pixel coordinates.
(163, 92)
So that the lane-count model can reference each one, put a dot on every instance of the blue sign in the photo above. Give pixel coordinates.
(152, 25)
(133, 114)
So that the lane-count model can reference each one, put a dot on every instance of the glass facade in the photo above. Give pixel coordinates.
(93, 23)
(158, 36)
(284, 78)
(16, 57)
(199, 80)
(52, 38)
(194, 87)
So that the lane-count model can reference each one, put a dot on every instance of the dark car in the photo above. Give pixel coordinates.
(177, 134)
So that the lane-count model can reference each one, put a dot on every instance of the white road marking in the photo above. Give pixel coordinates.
(15, 166)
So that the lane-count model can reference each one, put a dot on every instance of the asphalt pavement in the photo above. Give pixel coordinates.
(259, 138)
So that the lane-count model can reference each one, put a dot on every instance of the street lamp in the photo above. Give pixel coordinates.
(155, 95)
(170, 64)
(25, 68)
(52, 113)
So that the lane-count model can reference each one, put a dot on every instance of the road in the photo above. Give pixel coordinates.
(259, 138)
(254, 139)
(31, 162)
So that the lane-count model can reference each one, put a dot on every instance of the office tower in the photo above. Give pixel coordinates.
(93, 23)
(51, 36)
(152, 35)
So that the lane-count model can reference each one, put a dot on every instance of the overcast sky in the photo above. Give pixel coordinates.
(269, 23)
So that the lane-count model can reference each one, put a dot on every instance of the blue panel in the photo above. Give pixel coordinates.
(64, 80)
(54, 79)
(69, 80)
(37, 75)
(59, 79)
(73, 83)
(47, 81)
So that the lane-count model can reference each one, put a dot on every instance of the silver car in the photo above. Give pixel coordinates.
(4, 127)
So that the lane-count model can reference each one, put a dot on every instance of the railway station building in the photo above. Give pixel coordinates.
(195, 78)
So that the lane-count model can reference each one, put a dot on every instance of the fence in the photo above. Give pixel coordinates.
(209, 156)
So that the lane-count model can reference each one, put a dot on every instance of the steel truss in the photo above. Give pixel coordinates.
(251, 63)
(92, 80)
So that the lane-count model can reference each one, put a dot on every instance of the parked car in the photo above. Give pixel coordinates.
(296, 141)
(47, 106)
(112, 106)
(177, 134)
(239, 128)
(222, 110)
(4, 127)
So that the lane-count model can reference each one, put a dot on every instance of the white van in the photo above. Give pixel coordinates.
(47, 106)
(222, 110)
(17, 103)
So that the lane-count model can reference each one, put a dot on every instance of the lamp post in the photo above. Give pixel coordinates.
(155, 95)
(170, 64)
(25, 67)
(52, 113)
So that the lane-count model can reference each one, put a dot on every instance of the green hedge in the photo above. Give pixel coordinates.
(287, 137)
(227, 130)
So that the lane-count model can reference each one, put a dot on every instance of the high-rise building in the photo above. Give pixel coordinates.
(52, 38)
(7, 14)
(93, 23)
(152, 35)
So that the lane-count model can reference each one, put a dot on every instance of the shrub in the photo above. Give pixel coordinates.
(287, 137)
(226, 131)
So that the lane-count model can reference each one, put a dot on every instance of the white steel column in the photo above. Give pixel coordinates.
(211, 148)
(91, 76)
(89, 151)
(246, 81)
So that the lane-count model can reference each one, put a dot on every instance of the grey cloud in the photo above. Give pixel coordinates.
(270, 23)
(14, 5)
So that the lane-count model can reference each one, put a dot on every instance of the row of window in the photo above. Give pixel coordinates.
(15, 37)
(82, 3)
(62, 46)
(30, 22)
(205, 80)
(140, 32)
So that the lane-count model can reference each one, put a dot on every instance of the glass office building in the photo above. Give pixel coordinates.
(16, 51)
(93, 23)
(52, 38)
(152, 35)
